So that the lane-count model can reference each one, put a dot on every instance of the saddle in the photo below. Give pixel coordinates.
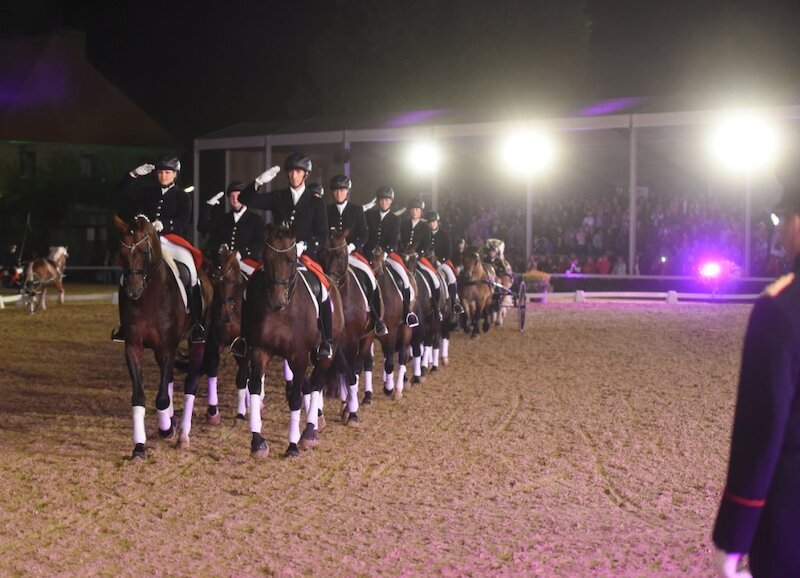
(312, 282)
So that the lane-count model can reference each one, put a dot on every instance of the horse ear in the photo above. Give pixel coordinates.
(120, 225)
(346, 234)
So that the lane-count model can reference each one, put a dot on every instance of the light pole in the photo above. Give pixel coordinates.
(425, 157)
(744, 143)
(528, 153)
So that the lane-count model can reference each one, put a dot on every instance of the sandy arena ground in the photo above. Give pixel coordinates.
(593, 444)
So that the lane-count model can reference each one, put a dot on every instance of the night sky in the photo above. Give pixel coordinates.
(199, 67)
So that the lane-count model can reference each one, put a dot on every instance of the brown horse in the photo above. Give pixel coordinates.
(441, 343)
(154, 316)
(359, 327)
(280, 319)
(41, 274)
(398, 338)
(228, 283)
(475, 291)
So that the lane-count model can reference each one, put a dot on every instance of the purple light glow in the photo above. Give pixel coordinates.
(610, 106)
(710, 270)
(415, 117)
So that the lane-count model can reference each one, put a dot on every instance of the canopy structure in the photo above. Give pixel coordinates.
(627, 144)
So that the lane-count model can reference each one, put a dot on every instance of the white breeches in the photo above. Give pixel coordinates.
(245, 268)
(180, 255)
(432, 274)
(448, 273)
(361, 266)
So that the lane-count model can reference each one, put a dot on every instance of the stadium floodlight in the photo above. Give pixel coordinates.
(775, 219)
(425, 157)
(529, 152)
(710, 270)
(744, 142)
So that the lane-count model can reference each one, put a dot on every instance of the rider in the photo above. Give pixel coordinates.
(169, 209)
(415, 231)
(240, 229)
(384, 229)
(442, 248)
(304, 211)
(346, 216)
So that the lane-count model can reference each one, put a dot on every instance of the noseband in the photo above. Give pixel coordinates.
(220, 275)
(288, 281)
(339, 279)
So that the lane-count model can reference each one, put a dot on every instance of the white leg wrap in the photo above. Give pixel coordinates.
(388, 381)
(287, 371)
(255, 413)
(170, 389)
(401, 373)
(139, 437)
(241, 407)
(307, 405)
(312, 416)
(416, 365)
(294, 426)
(385, 377)
(445, 347)
(262, 394)
(212, 391)
(367, 381)
(426, 355)
(352, 401)
(342, 389)
(164, 421)
(435, 362)
(188, 409)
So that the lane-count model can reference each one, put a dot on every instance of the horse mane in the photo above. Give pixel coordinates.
(57, 252)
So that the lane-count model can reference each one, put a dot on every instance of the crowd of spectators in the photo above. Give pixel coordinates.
(589, 233)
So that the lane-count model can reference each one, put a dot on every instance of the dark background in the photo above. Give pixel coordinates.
(198, 67)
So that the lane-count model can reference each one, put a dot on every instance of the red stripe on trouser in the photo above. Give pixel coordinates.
(317, 269)
(252, 262)
(397, 258)
(744, 501)
(197, 256)
(361, 258)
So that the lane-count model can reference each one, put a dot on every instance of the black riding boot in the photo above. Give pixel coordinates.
(409, 316)
(455, 303)
(326, 348)
(436, 293)
(198, 333)
(377, 314)
(117, 334)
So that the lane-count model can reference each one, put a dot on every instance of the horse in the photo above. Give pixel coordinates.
(228, 283)
(475, 291)
(505, 300)
(43, 273)
(359, 328)
(280, 319)
(449, 321)
(398, 337)
(154, 316)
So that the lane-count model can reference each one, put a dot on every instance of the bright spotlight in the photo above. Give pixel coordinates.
(424, 157)
(775, 219)
(744, 142)
(663, 259)
(710, 270)
(529, 152)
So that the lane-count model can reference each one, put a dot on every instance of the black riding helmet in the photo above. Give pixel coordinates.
(235, 186)
(297, 161)
(341, 182)
(416, 204)
(384, 192)
(315, 189)
(170, 162)
(431, 216)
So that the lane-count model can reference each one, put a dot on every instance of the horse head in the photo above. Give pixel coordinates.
(226, 279)
(376, 258)
(139, 255)
(280, 265)
(472, 266)
(333, 256)
(409, 255)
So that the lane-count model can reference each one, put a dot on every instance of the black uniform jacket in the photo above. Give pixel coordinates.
(308, 218)
(352, 219)
(441, 245)
(419, 235)
(760, 509)
(383, 233)
(173, 207)
(246, 236)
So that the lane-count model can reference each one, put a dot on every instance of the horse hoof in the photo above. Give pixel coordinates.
(183, 442)
(259, 449)
(416, 380)
(344, 414)
(321, 423)
(309, 440)
(387, 392)
(434, 368)
(353, 421)
(215, 419)
(445, 361)
(167, 435)
(367, 398)
(397, 395)
(292, 451)
(474, 336)
(139, 453)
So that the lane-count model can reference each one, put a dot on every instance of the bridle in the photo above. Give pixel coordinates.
(339, 278)
(148, 251)
(219, 275)
(288, 281)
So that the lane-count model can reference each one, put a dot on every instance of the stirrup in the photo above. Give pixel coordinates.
(117, 335)
(380, 328)
(198, 334)
(239, 348)
(458, 309)
(325, 350)
(411, 319)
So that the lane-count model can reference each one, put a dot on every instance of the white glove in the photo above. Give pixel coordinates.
(726, 564)
(350, 248)
(238, 256)
(213, 201)
(158, 226)
(142, 170)
(371, 204)
(267, 175)
(301, 247)
(400, 211)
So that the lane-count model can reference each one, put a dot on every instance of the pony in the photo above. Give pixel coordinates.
(280, 319)
(43, 273)
(504, 301)
(154, 316)
(475, 291)
(398, 338)
(359, 328)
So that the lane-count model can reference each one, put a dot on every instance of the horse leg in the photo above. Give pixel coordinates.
(166, 360)
(258, 367)
(133, 359)
(416, 354)
(388, 364)
(44, 299)
(369, 363)
(476, 318)
(60, 287)
(437, 339)
(190, 391)
(486, 321)
(294, 397)
(241, 389)
(213, 417)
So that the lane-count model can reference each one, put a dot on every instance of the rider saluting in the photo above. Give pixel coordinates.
(169, 209)
(304, 211)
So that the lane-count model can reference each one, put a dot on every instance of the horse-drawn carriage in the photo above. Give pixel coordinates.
(509, 289)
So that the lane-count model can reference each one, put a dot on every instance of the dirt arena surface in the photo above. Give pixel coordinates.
(593, 444)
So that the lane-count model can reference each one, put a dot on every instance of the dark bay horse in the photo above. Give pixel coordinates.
(441, 344)
(280, 319)
(359, 328)
(475, 291)
(154, 316)
(228, 283)
(43, 273)
(398, 338)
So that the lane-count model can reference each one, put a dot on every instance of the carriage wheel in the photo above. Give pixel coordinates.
(522, 303)
(32, 294)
